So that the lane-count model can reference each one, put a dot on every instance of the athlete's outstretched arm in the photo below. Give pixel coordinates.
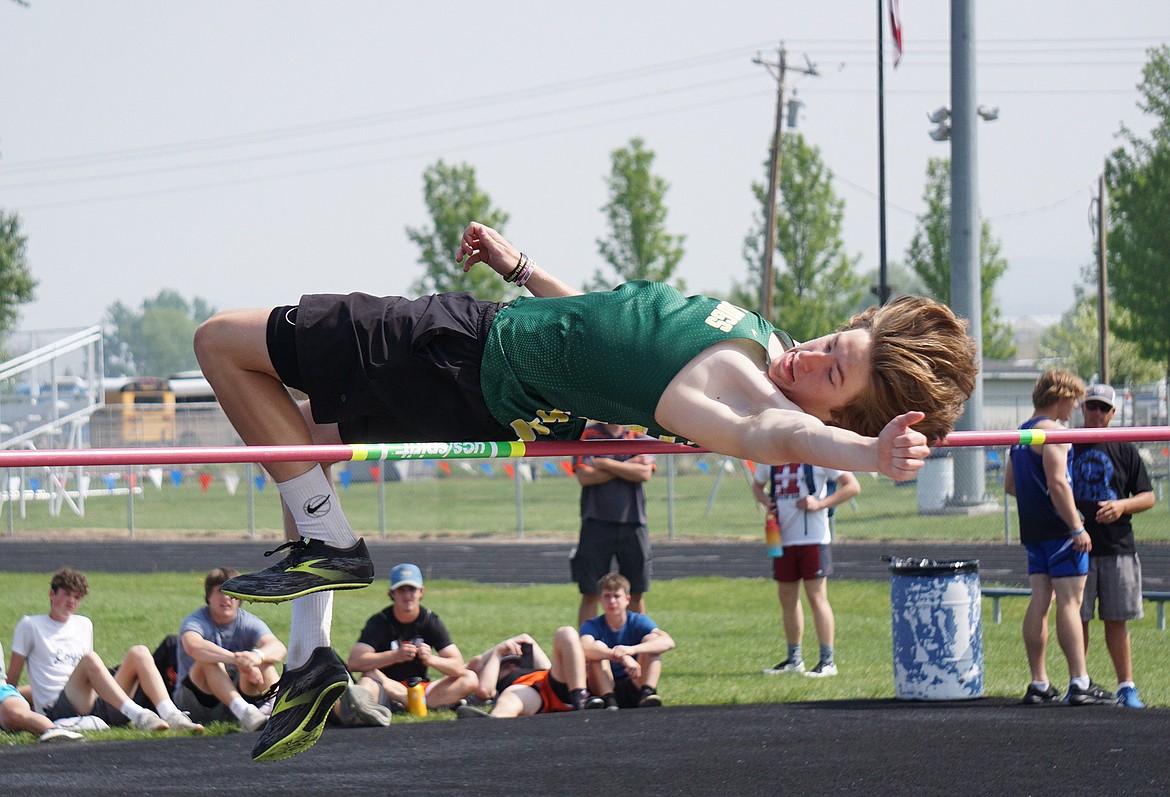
(776, 436)
(482, 244)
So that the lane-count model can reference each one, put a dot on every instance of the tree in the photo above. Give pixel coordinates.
(638, 246)
(453, 200)
(156, 340)
(16, 281)
(902, 282)
(818, 288)
(1072, 344)
(929, 256)
(1138, 180)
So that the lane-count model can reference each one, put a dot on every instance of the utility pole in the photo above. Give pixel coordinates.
(779, 70)
(1102, 286)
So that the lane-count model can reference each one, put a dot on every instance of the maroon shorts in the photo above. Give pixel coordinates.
(803, 562)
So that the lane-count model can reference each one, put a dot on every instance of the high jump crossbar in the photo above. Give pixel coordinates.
(374, 452)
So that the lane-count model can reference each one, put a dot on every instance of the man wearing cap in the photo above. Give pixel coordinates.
(1110, 484)
(403, 642)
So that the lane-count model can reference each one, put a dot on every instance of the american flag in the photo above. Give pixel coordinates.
(896, 30)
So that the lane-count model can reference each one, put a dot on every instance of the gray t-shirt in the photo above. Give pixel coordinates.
(243, 633)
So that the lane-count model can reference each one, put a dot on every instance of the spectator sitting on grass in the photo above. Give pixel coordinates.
(227, 659)
(623, 649)
(69, 679)
(402, 643)
(17, 715)
(518, 675)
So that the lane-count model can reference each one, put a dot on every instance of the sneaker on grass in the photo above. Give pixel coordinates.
(253, 720)
(55, 734)
(786, 666)
(824, 669)
(650, 700)
(304, 697)
(358, 707)
(181, 721)
(310, 566)
(149, 721)
(471, 713)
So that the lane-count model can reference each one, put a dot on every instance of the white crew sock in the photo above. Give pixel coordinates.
(312, 617)
(238, 706)
(314, 508)
(166, 708)
(131, 709)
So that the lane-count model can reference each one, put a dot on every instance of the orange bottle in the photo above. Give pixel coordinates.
(416, 699)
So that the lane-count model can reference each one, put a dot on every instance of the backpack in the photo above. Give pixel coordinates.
(166, 659)
(830, 485)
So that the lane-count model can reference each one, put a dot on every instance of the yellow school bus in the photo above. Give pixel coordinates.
(144, 412)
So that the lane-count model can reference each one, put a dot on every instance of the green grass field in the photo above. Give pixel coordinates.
(727, 630)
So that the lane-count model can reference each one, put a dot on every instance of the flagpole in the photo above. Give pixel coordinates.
(883, 287)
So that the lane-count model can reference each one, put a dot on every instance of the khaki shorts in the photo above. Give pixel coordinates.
(1113, 588)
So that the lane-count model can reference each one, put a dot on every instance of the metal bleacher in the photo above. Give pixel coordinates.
(47, 397)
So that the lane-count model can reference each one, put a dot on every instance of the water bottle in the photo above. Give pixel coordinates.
(416, 697)
(772, 534)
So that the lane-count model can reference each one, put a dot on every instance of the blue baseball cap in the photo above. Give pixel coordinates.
(406, 575)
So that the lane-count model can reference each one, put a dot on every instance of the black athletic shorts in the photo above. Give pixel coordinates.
(388, 369)
(602, 541)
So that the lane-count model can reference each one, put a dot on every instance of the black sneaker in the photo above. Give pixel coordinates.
(471, 713)
(1090, 695)
(1036, 697)
(649, 700)
(581, 700)
(304, 697)
(786, 666)
(611, 703)
(310, 566)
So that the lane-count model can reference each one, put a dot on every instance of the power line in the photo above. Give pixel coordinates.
(478, 124)
(460, 106)
(478, 144)
(463, 105)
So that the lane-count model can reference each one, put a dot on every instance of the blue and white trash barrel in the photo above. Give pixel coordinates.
(936, 612)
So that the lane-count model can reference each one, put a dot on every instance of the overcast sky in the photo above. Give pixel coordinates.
(249, 152)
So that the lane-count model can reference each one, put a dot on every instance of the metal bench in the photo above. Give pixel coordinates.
(997, 593)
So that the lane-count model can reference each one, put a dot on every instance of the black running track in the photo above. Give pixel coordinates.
(985, 746)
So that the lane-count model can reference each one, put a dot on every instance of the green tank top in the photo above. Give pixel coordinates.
(552, 364)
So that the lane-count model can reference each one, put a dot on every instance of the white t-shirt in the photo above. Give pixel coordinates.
(798, 527)
(52, 651)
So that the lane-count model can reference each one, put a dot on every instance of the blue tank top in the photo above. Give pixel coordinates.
(1038, 517)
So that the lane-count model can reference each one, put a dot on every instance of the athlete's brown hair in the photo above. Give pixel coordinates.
(1054, 385)
(922, 359)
